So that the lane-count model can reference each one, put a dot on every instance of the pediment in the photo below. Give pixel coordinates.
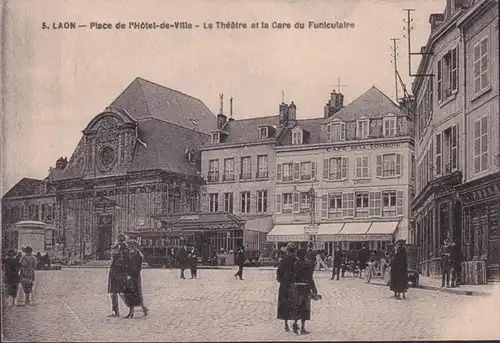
(111, 118)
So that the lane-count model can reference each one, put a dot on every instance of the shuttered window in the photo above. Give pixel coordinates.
(278, 203)
(324, 206)
(278, 172)
(296, 171)
(296, 202)
(399, 203)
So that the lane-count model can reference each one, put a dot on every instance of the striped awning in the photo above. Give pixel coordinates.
(328, 232)
(288, 233)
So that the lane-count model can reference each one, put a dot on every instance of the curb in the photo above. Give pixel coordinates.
(455, 291)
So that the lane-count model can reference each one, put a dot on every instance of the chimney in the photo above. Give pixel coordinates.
(436, 19)
(335, 104)
(61, 163)
(231, 109)
(221, 117)
(283, 117)
(292, 112)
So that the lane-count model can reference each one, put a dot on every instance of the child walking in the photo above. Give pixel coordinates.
(28, 266)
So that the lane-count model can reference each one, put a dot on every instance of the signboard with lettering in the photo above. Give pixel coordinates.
(190, 217)
(311, 229)
(363, 147)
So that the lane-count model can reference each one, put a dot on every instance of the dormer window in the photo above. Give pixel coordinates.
(362, 128)
(215, 137)
(390, 126)
(297, 137)
(335, 132)
(263, 132)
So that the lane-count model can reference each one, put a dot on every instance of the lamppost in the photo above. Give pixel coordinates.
(312, 229)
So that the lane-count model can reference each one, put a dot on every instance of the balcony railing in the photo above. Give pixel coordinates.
(262, 175)
(287, 178)
(335, 176)
(228, 177)
(305, 177)
(213, 176)
(245, 176)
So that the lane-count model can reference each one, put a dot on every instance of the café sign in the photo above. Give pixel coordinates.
(363, 147)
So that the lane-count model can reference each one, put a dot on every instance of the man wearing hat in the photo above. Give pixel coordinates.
(445, 263)
(338, 257)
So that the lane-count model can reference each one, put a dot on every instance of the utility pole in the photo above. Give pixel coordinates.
(395, 57)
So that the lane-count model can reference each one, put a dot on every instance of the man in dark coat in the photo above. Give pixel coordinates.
(193, 262)
(456, 258)
(182, 257)
(363, 257)
(285, 277)
(338, 258)
(445, 263)
(240, 261)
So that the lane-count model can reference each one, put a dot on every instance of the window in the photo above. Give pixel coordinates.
(389, 127)
(389, 203)
(389, 165)
(305, 204)
(447, 74)
(481, 145)
(375, 204)
(439, 157)
(228, 202)
(246, 168)
(335, 168)
(454, 70)
(362, 129)
(297, 137)
(229, 169)
(454, 148)
(213, 170)
(412, 167)
(305, 171)
(348, 204)
(215, 137)
(263, 132)
(287, 202)
(362, 167)
(245, 202)
(362, 205)
(481, 64)
(335, 132)
(213, 202)
(262, 166)
(262, 201)
(335, 205)
(287, 172)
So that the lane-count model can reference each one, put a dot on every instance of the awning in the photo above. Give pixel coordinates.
(329, 232)
(287, 233)
(354, 232)
(382, 231)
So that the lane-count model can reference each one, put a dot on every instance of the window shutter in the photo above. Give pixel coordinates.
(296, 202)
(379, 165)
(377, 210)
(324, 206)
(372, 203)
(342, 131)
(278, 203)
(399, 203)
(278, 172)
(399, 163)
(313, 170)
(359, 164)
(350, 209)
(296, 172)
(328, 132)
(325, 169)
(344, 205)
(205, 206)
(344, 168)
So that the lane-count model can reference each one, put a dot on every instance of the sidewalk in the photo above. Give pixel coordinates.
(434, 284)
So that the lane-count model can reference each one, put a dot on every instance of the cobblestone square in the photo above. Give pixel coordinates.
(72, 304)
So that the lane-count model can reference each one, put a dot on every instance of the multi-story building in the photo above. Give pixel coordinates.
(457, 136)
(349, 172)
(239, 167)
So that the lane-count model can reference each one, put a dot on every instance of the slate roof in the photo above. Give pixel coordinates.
(145, 99)
(312, 128)
(166, 147)
(27, 186)
(371, 104)
(247, 130)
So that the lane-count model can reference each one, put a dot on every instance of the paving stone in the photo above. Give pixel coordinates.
(72, 304)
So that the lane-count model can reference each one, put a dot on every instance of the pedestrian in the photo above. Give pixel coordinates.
(445, 264)
(117, 273)
(240, 261)
(338, 258)
(27, 274)
(12, 267)
(304, 289)
(456, 258)
(363, 257)
(285, 277)
(182, 258)
(39, 261)
(399, 271)
(193, 262)
(131, 289)
(311, 254)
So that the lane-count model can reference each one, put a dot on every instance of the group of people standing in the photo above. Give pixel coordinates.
(451, 264)
(125, 277)
(19, 268)
(188, 259)
(297, 288)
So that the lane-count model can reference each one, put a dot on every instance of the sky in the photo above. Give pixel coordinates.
(56, 81)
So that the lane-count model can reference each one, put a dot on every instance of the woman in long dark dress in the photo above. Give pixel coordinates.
(12, 267)
(304, 288)
(117, 273)
(285, 277)
(399, 272)
(133, 297)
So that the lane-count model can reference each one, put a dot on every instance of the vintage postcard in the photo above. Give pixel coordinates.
(250, 170)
